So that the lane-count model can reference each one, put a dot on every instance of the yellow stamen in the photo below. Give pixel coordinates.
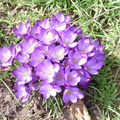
(88, 67)
(26, 73)
(59, 76)
(75, 60)
(70, 78)
(67, 41)
(69, 92)
(83, 50)
(58, 55)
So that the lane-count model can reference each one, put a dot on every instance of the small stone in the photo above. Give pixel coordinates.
(7, 98)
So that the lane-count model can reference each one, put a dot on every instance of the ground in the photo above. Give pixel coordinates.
(97, 18)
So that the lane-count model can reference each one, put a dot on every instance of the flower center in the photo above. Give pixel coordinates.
(67, 41)
(59, 76)
(58, 55)
(83, 50)
(24, 30)
(70, 78)
(75, 60)
(88, 67)
(69, 92)
(26, 73)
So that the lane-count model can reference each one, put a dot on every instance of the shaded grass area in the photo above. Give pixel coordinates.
(97, 18)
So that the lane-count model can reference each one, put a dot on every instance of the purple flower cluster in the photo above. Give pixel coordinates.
(55, 57)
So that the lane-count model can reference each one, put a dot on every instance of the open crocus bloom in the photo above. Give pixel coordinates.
(23, 30)
(46, 70)
(48, 90)
(23, 74)
(29, 45)
(72, 94)
(56, 53)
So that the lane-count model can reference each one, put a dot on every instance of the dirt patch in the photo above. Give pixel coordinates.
(11, 110)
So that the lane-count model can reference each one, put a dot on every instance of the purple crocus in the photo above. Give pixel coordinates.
(72, 77)
(23, 74)
(44, 23)
(36, 57)
(22, 93)
(15, 49)
(59, 22)
(84, 45)
(48, 90)
(46, 70)
(23, 30)
(74, 29)
(56, 53)
(5, 56)
(59, 77)
(77, 59)
(22, 57)
(29, 45)
(85, 78)
(92, 66)
(68, 38)
(49, 37)
(72, 94)
(38, 32)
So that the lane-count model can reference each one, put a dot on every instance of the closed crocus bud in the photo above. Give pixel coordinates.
(5, 56)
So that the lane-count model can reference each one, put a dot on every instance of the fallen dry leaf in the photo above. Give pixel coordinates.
(77, 111)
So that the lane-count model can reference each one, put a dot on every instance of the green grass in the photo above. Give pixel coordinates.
(99, 19)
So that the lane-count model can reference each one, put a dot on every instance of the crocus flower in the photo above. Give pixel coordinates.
(5, 56)
(92, 66)
(59, 77)
(84, 45)
(22, 93)
(44, 49)
(72, 77)
(29, 45)
(23, 30)
(23, 74)
(36, 57)
(85, 78)
(44, 23)
(38, 32)
(66, 62)
(15, 49)
(77, 59)
(59, 22)
(68, 39)
(74, 29)
(49, 37)
(48, 90)
(72, 94)
(46, 70)
(56, 53)
(22, 57)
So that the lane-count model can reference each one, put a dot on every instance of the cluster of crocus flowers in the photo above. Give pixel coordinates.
(55, 57)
